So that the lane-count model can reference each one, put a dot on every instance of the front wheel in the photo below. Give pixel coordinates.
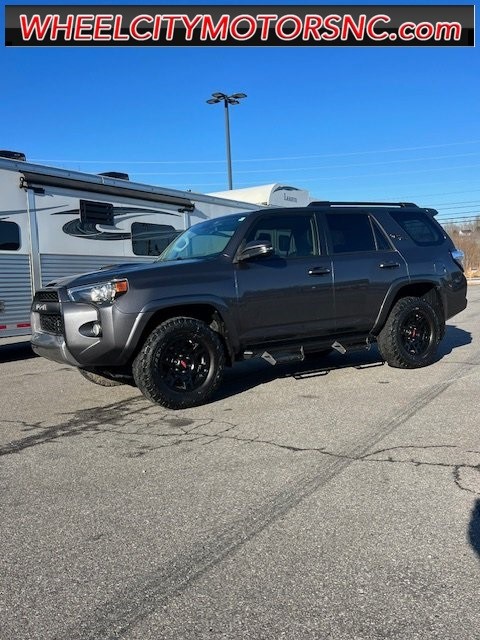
(181, 363)
(410, 337)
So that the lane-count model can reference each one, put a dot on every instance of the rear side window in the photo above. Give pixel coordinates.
(382, 243)
(418, 225)
(9, 236)
(151, 239)
(350, 232)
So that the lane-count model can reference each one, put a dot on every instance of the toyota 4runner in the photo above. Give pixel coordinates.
(273, 283)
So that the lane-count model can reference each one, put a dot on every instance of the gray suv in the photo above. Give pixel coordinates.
(273, 283)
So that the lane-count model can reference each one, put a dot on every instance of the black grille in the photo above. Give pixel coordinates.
(46, 296)
(51, 323)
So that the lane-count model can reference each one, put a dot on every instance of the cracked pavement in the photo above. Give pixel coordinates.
(337, 499)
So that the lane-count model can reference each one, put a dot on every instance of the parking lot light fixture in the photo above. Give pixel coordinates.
(232, 99)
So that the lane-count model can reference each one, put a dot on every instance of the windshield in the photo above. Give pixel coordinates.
(203, 240)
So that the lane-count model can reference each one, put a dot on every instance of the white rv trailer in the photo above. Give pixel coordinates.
(55, 223)
(271, 195)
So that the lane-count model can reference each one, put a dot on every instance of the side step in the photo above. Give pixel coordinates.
(297, 354)
(352, 347)
(277, 356)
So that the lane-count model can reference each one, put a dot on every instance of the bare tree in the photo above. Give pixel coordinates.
(469, 244)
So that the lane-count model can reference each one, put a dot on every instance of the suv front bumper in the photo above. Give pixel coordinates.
(52, 347)
(69, 339)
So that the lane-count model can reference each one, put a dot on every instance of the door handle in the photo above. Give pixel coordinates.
(318, 271)
(389, 265)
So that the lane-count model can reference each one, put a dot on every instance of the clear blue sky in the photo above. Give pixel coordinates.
(345, 123)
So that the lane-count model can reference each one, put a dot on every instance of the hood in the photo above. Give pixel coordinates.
(127, 270)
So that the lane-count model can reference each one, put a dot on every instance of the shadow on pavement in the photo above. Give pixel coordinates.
(454, 337)
(474, 528)
(16, 351)
(252, 373)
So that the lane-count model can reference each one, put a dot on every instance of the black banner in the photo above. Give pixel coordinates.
(239, 25)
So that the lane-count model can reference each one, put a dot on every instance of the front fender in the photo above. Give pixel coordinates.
(163, 304)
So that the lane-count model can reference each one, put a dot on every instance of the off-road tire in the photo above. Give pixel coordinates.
(391, 339)
(149, 364)
(99, 379)
(432, 298)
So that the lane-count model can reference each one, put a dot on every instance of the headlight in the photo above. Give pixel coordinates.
(99, 293)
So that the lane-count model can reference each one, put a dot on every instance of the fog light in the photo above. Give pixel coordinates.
(97, 329)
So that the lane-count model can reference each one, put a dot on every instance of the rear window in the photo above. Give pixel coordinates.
(418, 225)
(350, 232)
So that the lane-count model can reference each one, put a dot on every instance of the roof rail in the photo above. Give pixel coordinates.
(328, 203)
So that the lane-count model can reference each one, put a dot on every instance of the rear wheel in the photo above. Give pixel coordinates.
(180, 364)
(410, 337)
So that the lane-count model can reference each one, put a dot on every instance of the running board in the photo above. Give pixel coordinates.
(297, 354)
(277, 356)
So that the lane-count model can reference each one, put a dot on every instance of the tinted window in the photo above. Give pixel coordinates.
(382, 241)
(291, 236)
(9, 236)
(421, 229)
(151, 239)
(350, 232)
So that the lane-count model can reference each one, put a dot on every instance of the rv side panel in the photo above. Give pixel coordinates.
(15, 262)
(15, 295)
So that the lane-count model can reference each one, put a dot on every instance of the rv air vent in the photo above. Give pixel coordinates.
(96, 212)
(13, 155)
(115, 174)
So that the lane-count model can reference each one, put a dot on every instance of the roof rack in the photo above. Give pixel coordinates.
(328, 203)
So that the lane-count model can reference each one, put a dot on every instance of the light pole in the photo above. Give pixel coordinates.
(233, 99)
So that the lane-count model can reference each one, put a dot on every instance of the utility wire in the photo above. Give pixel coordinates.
(348, 177)
(460, 219)
(309, 167)
(324, 155)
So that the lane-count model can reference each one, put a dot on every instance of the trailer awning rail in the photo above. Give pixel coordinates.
(106, 186)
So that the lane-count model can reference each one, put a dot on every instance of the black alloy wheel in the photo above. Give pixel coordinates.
(411, 334)
(184, 363)
(180, 364)
(416, 332)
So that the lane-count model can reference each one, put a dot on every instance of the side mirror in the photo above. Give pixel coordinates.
(255, 249)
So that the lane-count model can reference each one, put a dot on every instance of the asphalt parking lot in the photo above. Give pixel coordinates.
(298, 504)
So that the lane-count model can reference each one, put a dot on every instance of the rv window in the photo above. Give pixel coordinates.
(9, 236)
(151, 239)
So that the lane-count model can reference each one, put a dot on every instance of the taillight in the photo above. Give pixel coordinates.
(458, 256)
